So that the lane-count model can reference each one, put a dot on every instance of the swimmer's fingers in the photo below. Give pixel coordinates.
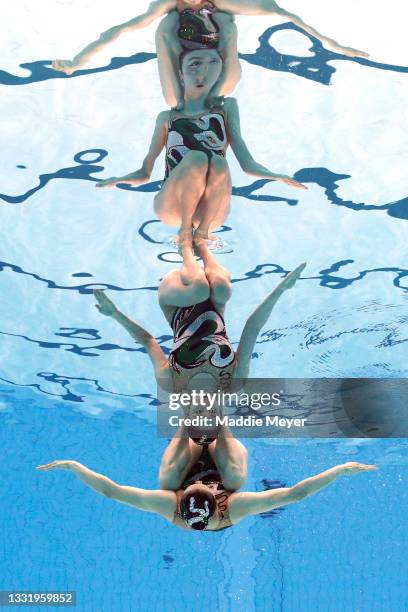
(350, 52)
(65, 66)
(290, 280)
(291, 182)
(104, 305)
(353, 467)
(107, 183)
(55, 465)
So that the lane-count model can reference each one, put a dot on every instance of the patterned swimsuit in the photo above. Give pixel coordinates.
(200, 340)
(206, 133)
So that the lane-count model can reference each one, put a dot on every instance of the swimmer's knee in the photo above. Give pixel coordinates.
(168, 481)
(221, 290)
(168, 278)
(229, 32)
(244, 449)
(165, 28)
(225, 19)
(234, 480)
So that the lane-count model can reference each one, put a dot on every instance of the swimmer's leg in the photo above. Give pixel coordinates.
(270, 7)
(214, 205)
(228, 50)
(168, 51)
(231, 458)
(181, 194)
(218, 277)
(178, 199)
(250, 8)
(178, 458)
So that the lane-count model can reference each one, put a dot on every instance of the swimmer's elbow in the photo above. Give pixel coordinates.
(108, 491)
(295, 494)
(112, 491)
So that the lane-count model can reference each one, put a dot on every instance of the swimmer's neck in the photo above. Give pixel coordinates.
(194, 104)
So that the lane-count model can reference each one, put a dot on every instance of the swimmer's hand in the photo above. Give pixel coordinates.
(135, 178)
(108, 183)
(65, 66)
(65, 464)
(352, 467)
(104, 305)
(290, 280)
(350, 52)
(288, 180)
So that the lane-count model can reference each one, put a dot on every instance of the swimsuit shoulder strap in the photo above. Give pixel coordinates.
(172, 113)
(177, 519)
(222, 500)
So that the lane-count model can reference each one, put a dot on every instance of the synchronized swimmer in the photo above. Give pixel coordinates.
(200, 477)
(196, 191)
(200, 485)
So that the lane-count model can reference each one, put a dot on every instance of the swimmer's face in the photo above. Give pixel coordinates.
(200, 70)
(192, 2)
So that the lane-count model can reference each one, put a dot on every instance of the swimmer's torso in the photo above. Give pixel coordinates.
(206, 133)
(201, 344)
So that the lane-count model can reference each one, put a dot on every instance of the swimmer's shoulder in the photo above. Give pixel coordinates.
(231, 110)
(164, 116)
(230, 103)
(163, 120)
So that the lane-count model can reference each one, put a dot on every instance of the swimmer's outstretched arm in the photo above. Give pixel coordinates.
(241, 151)
(156, 146)
(269, 7)
(160, 502)
(258, 319)
(156, 9)
(246, 504)
(138, 333)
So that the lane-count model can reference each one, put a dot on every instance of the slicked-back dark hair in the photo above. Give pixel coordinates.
(197, 507)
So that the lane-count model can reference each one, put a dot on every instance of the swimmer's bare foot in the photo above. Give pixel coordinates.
(185, 239)
(200, 245)
(202, 237)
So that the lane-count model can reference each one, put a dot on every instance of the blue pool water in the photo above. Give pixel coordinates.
(73, 385)
(341, 550)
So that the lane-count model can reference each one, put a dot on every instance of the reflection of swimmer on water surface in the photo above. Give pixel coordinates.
(200, 485)
(196, 24)
(196, 193)
(193, 301)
